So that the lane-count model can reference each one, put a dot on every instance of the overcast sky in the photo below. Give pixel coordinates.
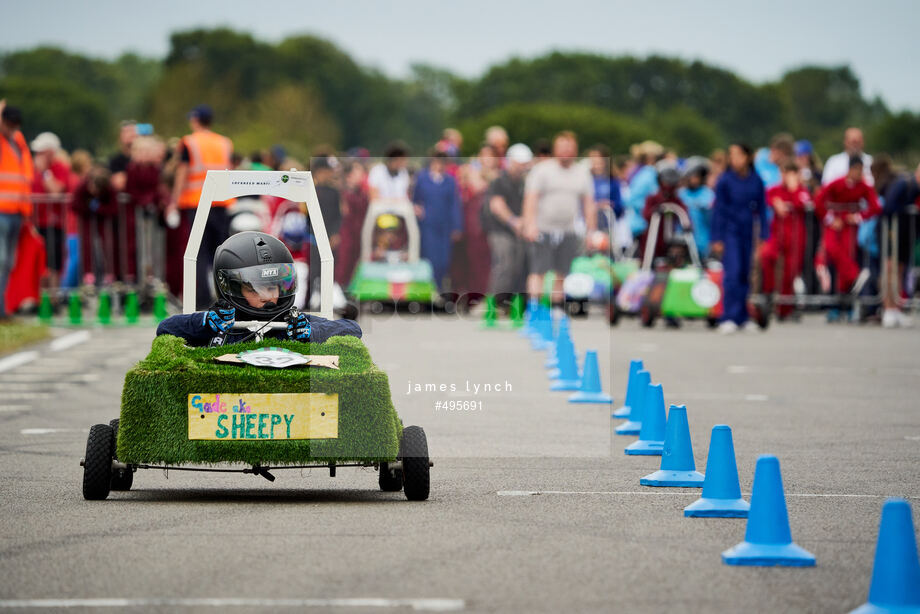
(879, 39)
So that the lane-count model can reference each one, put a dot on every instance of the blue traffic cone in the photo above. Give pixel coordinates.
(543, 330)
(677, 465)
(549, 331)
(623, 412)
(895, 587)
(651, 435)
(568, 367)
(561, 331)
(721, 489)
(529, 317)
(590, 391)
(767, 540)
(563, 345)
(637, 408)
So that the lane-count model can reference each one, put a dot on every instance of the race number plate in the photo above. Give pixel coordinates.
(249, 416)
(277, 358)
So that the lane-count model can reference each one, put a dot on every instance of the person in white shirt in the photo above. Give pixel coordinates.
(390, 179)
(554, 192)
(839, 164)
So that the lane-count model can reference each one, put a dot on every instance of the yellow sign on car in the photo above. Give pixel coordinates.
(259, 416)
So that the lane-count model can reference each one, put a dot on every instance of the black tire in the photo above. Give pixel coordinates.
(712, 322)
(448, 302)
(647, 315)
(97, 464)
(576, 308)
(350, 311)
(122, 479)
(613, 313)
(413, 451)
(390, 481)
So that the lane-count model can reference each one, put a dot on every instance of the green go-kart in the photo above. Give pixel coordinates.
(393, 277)
(258, 406)
(675, 287)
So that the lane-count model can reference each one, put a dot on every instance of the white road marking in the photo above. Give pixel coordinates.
(530, 493)
(83, 378)
(818, 370)
(39, 431)
(912, 437)
(68, 341)
(15, 407)
(716, 396)
(419, 605)
(28, 375)
(32, 386)
(26, 396)
(16, 360)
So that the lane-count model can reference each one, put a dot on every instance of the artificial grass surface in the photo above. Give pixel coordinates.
(14, 335)
(154, 405)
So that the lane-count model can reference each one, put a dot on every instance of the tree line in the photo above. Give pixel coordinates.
(304, 92)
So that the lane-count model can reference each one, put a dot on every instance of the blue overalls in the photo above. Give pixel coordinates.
(443, 216)
(739, 201)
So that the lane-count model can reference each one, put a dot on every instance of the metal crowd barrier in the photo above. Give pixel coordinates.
(109, 257)
(881, 275)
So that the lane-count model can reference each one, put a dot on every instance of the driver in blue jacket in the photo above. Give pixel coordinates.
(255, 279)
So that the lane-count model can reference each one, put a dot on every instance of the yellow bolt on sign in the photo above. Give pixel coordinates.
(243, 416)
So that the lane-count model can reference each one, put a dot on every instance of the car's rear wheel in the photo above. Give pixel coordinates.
(390, 480)
(413, 451)
(97, 464)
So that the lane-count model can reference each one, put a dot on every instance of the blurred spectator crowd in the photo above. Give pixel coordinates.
(494, 223)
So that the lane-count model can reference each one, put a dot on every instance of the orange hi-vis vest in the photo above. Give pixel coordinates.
(207, 151)
(15, 175)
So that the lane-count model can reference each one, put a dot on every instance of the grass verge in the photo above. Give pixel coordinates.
(14, 335)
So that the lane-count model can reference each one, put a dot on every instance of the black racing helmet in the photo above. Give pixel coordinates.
(255, 266)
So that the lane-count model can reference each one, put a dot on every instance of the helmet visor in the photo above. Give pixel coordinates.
(259, 285)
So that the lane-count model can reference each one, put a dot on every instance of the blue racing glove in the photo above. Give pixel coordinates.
(221, 320)
(299, 328)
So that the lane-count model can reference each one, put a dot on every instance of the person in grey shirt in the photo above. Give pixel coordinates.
(556, 191)
(503, 224)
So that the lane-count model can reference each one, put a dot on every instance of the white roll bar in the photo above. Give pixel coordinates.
(652, 237)
(401, 208)
(296, 186)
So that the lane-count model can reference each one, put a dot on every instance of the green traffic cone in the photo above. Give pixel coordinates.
(132, 311)
(489, 317)
(517, 311)
(45, 310)
(104, 312)
(159, 307)
(75, 309)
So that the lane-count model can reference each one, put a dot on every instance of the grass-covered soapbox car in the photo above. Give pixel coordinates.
(258, 406)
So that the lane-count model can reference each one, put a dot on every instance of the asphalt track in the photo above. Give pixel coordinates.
(534, 507)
